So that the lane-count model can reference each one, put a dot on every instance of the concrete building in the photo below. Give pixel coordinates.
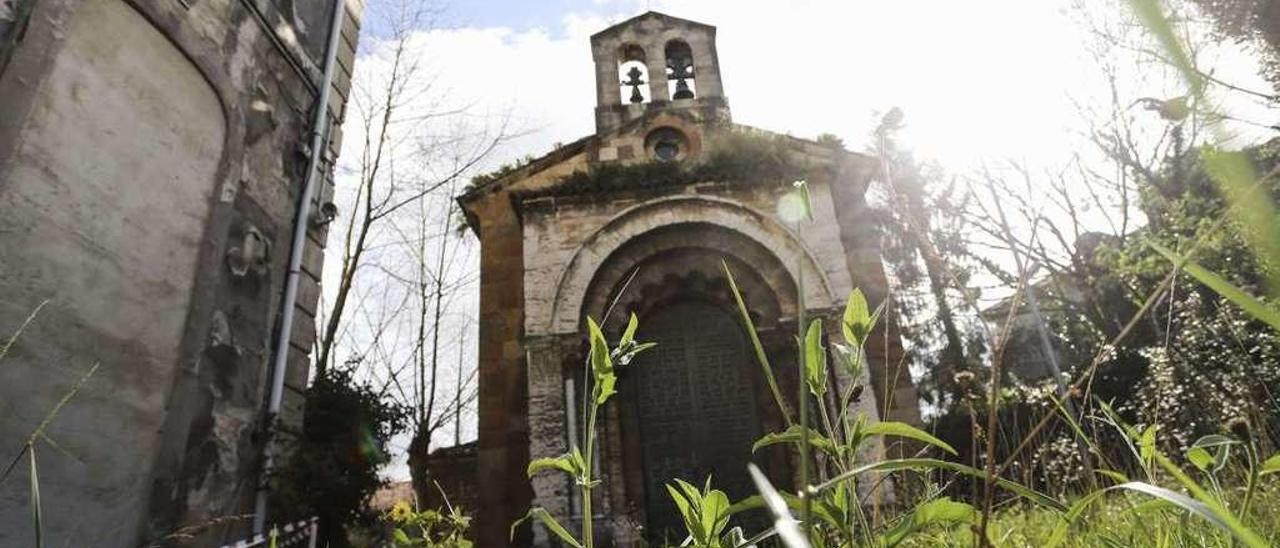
(637, 218)
(152, 155)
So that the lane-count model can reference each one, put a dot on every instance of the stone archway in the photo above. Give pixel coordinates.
(663, 261)
(695, 406)
(567, 298)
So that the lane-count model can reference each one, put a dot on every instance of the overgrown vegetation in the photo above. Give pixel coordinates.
(739, 155)
(412, 528)
(343, 443)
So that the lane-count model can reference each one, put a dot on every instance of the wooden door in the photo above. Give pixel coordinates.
(696, 407)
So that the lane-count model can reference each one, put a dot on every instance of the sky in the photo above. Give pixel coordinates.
(979, 82)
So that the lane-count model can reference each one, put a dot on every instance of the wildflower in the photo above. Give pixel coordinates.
(401, 511)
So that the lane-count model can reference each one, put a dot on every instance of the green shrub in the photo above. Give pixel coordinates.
(334, 469)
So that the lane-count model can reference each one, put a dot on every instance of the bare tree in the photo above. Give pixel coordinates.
(412, 147)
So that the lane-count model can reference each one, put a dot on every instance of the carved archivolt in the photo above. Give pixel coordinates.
(746, 236)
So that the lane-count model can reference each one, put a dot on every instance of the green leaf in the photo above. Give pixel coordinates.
(815, 359)
(601, 364)
(856, 318)
(566, 462)
(549, 522)
(624, 354)
(1217, 447)
(1270, 466)
(900, 429)
(715, 513)
(795, 435)
(1147, 443)
(1200, 458)
(686, 505)
(400, 536)
(850, 358)
(806, 200)
(630, 333)
(1251, 305)
(1112, 474)
(1151, 13)
(937, 511)
(1214, 440)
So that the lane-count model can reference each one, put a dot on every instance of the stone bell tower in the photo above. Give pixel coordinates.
(654, 62)
(641, 218)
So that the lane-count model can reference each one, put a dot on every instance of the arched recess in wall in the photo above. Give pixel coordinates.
(680, 70)
(634, 86)
(652, 268)
(572, 288)
(106, 200)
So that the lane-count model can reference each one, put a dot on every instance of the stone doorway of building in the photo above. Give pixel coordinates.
(696, 405)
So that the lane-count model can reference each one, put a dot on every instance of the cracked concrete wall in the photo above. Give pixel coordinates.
(151, 156)
(73, 236)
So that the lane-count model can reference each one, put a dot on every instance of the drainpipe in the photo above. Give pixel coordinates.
(301, 224)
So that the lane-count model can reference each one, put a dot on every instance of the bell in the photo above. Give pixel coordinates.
(682, 90)
(681, 70)
(633, 80)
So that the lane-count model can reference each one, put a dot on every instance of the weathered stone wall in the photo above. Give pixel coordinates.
(503, 430)
(572, 243)
(147, 147)
(454, 469)
(553, 250)
(650, 33)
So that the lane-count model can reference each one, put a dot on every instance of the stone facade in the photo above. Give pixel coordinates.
(557, 247)
(151, 157)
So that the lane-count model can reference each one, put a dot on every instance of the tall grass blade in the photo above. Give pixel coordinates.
(1251, 305)
(1214, 515)
(763, 358)
(904, 430)
(916, 464)
(1059, 533)
(4, 350)
(783, 523)
(1229, 521)
(37, 517)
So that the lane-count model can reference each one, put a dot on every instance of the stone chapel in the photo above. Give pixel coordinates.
(637, 218)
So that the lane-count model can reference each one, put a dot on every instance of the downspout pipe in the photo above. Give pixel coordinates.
(301, 225)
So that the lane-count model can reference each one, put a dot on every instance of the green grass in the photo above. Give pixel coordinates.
(1122, 520)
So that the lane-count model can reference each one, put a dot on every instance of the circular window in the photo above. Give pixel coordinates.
(667, 150)
(666, 144)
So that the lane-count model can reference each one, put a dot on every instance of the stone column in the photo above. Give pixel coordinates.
(656, 62)
(548, 426)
